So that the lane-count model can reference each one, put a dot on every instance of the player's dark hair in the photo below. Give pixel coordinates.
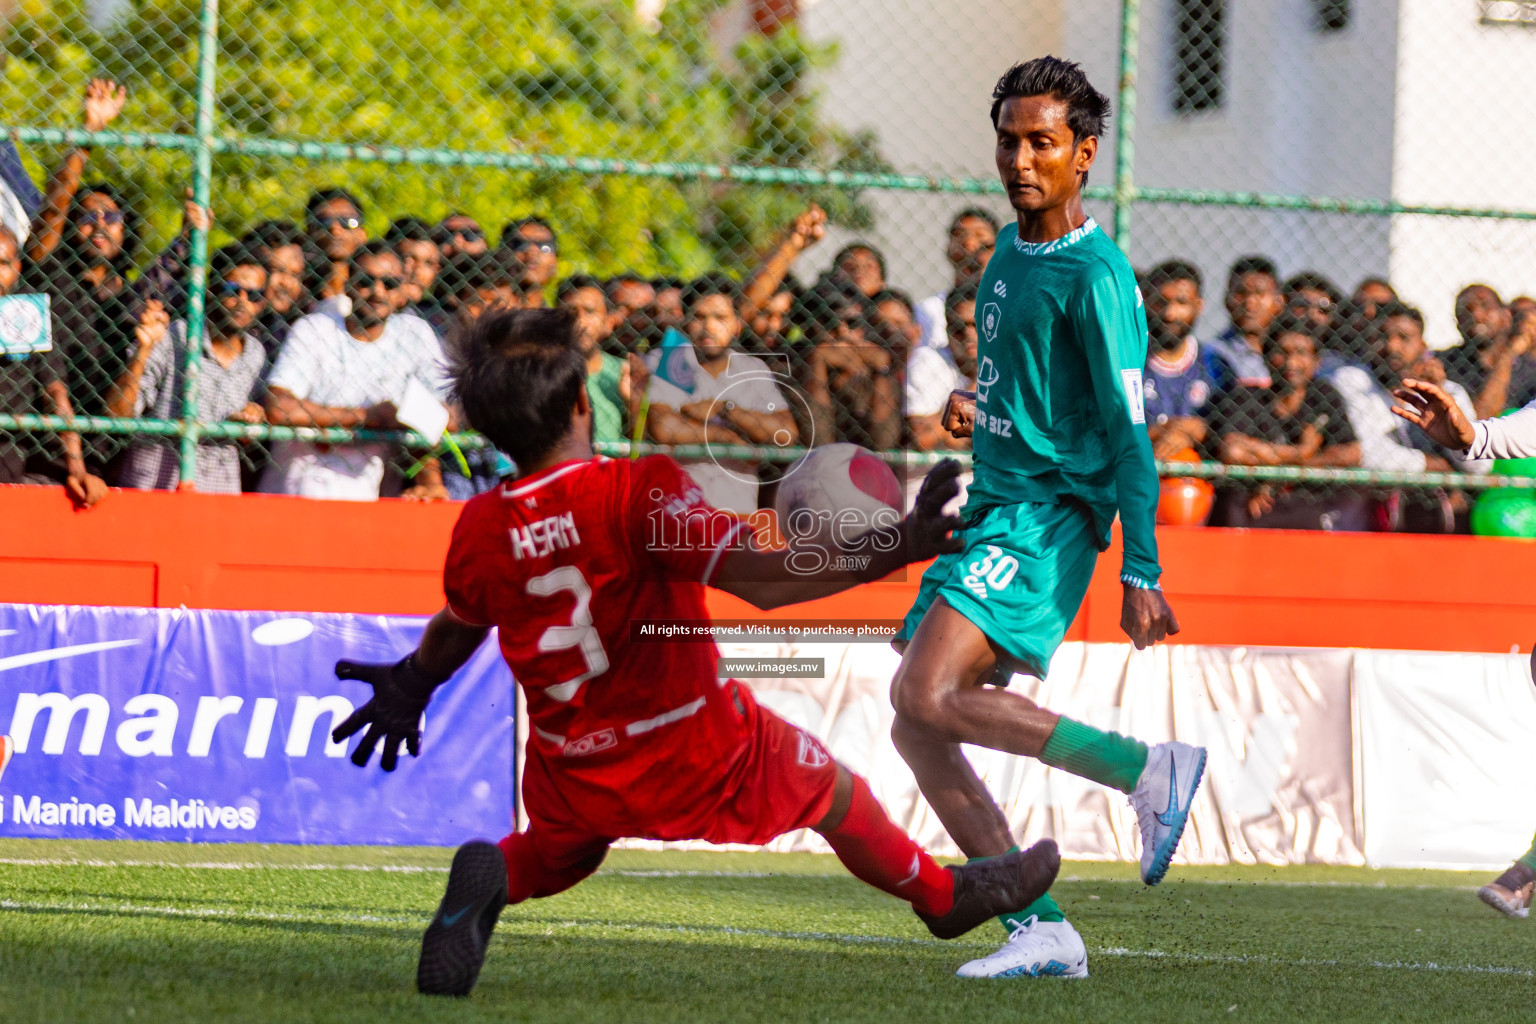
(1254, 265)
(958, 296)
(320, 197)
(1169, 271)
(1312, 281)
(855, 247)
(893, 295)
(575, 283)
(371, 249)
(516, 374)
(975, 213)
(1290, 323)
(1392, 309)
(1087, 108)
(710, 284)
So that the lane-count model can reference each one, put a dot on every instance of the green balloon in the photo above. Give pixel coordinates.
(1505, 512)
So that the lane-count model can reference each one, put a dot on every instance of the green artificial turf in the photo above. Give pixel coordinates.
(159, 932)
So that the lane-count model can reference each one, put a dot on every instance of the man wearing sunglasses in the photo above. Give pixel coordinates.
(533, 240)
(352, 371)
(335, 221)
(228, 374)
(461, 233)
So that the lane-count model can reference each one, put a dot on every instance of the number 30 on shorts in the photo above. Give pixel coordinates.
(994, 572)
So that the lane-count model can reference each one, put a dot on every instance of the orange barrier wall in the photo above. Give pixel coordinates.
(1259, 587)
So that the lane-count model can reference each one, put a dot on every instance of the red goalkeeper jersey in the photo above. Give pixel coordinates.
(566, 564)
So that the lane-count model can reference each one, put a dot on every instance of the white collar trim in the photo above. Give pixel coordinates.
(1072, 237)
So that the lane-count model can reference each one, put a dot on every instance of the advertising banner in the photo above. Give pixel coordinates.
(214, 726)
(1279, 786)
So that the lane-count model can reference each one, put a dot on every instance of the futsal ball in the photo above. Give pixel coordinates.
(1184, 500)
(837, 492)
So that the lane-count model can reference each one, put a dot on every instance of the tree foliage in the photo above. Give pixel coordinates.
(569, 77)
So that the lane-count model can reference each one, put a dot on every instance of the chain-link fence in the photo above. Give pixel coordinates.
(833, 157)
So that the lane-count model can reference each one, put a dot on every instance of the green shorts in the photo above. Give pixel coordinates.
(1020, 580)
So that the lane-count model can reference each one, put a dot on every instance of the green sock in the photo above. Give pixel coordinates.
(1529, 860)
(1045, 908)
(1105, 757)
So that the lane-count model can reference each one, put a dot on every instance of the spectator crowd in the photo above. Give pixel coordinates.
(313, 323)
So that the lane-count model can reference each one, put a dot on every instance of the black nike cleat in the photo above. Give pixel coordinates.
(997, 885)
(453, 948)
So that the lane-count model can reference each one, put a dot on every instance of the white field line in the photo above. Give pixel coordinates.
(535, 924)
(413, 869)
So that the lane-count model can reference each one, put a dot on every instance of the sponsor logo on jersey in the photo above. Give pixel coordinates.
(1002, 426)
(1000, 290)
(991, 319)
(987, 374)
(591, 743)
(812, 753)
(1135, 397)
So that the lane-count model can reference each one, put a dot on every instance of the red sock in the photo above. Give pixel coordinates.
(871, 846)
(529, 878)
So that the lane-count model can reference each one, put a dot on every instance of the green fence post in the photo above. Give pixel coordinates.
(1125, 146)
(197, 257)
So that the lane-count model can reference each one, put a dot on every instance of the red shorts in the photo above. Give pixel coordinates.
(779, 778)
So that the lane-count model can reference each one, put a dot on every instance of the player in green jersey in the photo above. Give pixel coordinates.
(1061, 447)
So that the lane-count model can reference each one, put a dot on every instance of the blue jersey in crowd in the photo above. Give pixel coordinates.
(1184, 386)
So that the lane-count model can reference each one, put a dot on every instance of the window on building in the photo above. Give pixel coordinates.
(1199, 54)
(1507, 12)
(1331, 15)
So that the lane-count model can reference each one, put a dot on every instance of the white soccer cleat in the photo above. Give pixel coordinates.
(1036, 949)
(1161, 800)
(1509, 902)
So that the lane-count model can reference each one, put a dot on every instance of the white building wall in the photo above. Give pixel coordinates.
(1464, 138)
(920, 73)
(1305, 113)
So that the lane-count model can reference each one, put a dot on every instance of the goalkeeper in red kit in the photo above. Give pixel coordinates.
(635, 739)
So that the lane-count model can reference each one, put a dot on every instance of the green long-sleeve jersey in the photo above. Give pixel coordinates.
(1061, 342)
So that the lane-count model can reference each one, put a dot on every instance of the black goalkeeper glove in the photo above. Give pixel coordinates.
(929, 531)
(393, 714)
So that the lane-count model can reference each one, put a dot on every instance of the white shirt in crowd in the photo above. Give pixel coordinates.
(728, 484)
(1386, 440)
(1508, 437)
(929, 314)
(931, 376)
(320, 362)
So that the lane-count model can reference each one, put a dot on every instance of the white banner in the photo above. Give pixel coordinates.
(1316, 756)
(1447, 754)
